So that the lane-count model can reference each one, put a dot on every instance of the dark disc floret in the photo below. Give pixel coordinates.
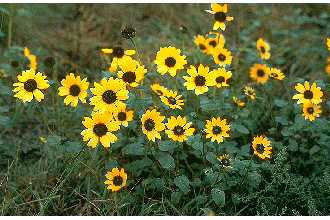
(262, 49)
(100, 129)
(260, 73)
(109, 97)
(178, 130)
(221, 57)
(122, 116)
(260, 148)
(220, 17)
(220, 79)
(216, 130)
(118, 52)
(225, 162)
(117, 181)
(170, 62)
(129, 77)
(171, 100)
(310, 110)
(200, 80)
(213, 43)
(308, 94)
(30, 85)
(149, 124)
(74, 90)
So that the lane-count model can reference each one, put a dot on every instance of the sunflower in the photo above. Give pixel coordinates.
(220, 16)
(74, 89)
(32, 58)
(328, 43)
(276, 74)
(152, 124)
(221, 77)
(250, 92)
(100, 128)
(118, 55)
(222, 56)
(169, 59)
(172, 99)
(132, 73)
(108, 94)
(123, 115)
(214, 40)
(260, 73)
(201, 43)
(116, 179)
(217, 129)
(311, 111)
(263, 48)
(225, 161)
(261, 147)
(198, 80)
(178, 129)
(238, 102)
(327, 68)
(158, 89)
(30, 85)
(308, 93)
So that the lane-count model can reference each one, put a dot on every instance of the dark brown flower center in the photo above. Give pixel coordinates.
(220, 79)
(149, 124)
(30, 85)
(213, 43)
(100, 129)
(171, 100)
(128, 32)
(170, 61)
(260, 148)
(109, 97)
(262, 49)
(220, 16)
(310, 110)
(308, 94)
(228, 81)
(118, 52)
(216, 130)
(129, 77)
(202, 46)
(122, 116)
(178, 130)
(221, 57)
(225, 162)
(260, 73)
(200, 80)
(274, 75)
(117, 181)
(74, 90)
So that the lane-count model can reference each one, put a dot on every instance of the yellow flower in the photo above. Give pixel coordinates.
(308, 93)
(74, 89)
(260, 73)
(328, 43)
(201, 43)
(250, 92)
(263, 49)
(100, 128)
(198, 80)
(32, 58)
(116, 179)
(276, 74)
(224, 160)
(238, 102)
(222, 56)
(169, 60)
(123, 115)
(261, 147)
(327, 68)
(158, 89)
(217, 129)
(108, 94)
(311, 111)
(172, 99)
(30, 85)
(178, 129)
(152, 124)
(221, 77)
(118, 55)
(220, 16)
(132, 73)
(213, 42)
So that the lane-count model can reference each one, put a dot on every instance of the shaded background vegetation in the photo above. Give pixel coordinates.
(59, 177)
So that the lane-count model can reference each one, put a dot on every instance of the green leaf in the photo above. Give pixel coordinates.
(167, 145)
(54, 140)
(134, 149)
(212, 158)
(281, 120)
(166, 160)
(280, 103)
(254, 179)
(183, 183)
(218, 197)
(196, 143)
(240, 128)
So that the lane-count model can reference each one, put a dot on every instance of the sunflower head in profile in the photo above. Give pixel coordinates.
(276, 74)
(118, 55)
(178, 129)
(250, 92)
(123, 115)
(221, 77)
(132, 73)
(201, 43)
(74, 89)
(169, 60)
(260, 73)
(214, 40)
(220, 16)
(116, 179)
(308, 93)
(108, 94)
(198, 79)
(263, 49)
(261, 147)
(158, 89)
(152, 124)
(30, 85)
(328, 43)
(172, 99)
(33, 64)
(225, 161)
(240, 103)
(222, 56)
(99, 128)
(311, 111)
(327, 68)
(217, 129)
